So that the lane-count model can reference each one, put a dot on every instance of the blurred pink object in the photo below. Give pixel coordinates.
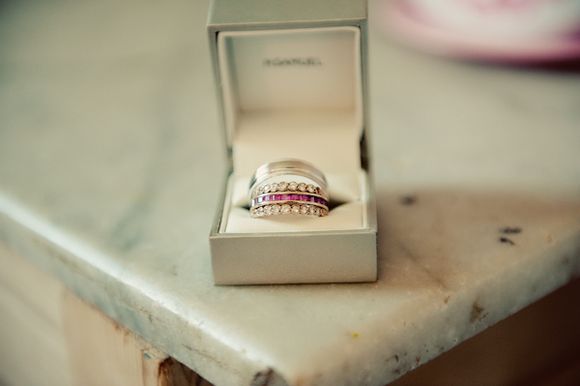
(490, 30)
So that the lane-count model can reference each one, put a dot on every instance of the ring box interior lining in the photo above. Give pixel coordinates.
(278, 109)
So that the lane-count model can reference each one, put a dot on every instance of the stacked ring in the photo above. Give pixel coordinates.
(306, 198)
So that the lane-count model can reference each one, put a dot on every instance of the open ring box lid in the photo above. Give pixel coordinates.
(291, 81)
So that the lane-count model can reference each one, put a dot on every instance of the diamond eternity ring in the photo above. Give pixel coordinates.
(288, 187)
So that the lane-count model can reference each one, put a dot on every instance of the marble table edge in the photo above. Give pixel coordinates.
(474, 317)
(77, 266)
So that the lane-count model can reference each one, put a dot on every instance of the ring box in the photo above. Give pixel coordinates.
(291, 79)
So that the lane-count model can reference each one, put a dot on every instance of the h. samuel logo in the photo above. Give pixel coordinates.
(309, 61)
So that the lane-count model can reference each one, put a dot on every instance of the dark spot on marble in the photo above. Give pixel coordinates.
(510, 230)
(505, 240)
(262, 378)
(417, 360)
(446, 300)
(477, 313)
(120, 328)
(394, 357)
(397, 371)
(408, 200)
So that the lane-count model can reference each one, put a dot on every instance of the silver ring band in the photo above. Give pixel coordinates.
(286, 187)
(290, 167)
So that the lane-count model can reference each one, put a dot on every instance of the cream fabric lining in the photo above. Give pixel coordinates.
(310, 111)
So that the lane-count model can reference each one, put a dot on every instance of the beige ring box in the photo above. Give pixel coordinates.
(291, 81)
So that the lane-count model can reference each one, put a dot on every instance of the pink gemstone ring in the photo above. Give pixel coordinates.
(288, 187)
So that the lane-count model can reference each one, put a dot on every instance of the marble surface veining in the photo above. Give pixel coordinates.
(111, 161)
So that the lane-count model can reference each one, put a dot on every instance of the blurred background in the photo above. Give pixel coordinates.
(480, 83)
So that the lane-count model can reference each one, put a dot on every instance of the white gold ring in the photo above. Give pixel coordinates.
(288, 187)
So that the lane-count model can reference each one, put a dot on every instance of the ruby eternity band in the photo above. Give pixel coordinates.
(288, 187)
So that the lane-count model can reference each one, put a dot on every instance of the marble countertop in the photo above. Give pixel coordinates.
(111, 161)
